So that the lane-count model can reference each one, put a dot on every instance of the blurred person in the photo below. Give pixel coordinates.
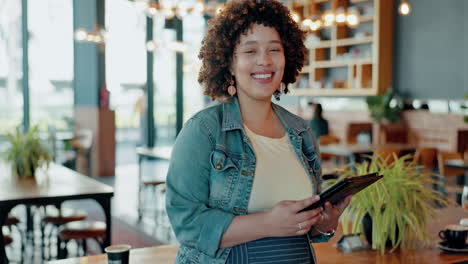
(318, 124)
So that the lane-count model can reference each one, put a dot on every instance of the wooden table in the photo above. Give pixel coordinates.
(54, 186)
(354, 151)
(326, 252)
(459, 164)
(161, 153)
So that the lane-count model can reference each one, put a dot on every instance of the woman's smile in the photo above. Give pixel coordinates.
(263, 77)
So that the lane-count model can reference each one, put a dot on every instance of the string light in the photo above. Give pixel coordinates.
(180, 9)
(340, 16)
(404, 8)
(98, 36)
(176, 46)
(328, 18)
(295, 16)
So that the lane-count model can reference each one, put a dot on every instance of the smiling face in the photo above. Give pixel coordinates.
(258, 63)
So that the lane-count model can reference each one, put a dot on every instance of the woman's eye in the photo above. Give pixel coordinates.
(275, 50)
(249, 51)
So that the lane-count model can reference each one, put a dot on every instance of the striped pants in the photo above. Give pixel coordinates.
(273, 250)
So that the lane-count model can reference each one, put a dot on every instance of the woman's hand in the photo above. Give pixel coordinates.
(285, 220)
(330, 215)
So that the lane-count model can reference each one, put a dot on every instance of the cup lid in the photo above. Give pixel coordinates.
(117, 248)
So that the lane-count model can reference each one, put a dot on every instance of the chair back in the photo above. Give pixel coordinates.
(327, 140)
(444, 156)
(426, 157)
(387, 153)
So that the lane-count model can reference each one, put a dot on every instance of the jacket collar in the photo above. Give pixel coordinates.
(232, 118)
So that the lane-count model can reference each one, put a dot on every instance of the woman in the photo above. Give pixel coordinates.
(242, 170)
(319, 124)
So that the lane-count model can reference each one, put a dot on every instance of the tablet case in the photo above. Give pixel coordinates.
(341, 189)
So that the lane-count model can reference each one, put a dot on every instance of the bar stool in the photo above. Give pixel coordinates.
(155, 186)
(80, 231)
(55, 218)
(11, 222)
(7, 240)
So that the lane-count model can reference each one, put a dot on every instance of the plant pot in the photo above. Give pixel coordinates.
(21, 172)
(367, 229)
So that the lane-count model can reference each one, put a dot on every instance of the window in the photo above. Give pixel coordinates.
(50, 24)
(11, 95)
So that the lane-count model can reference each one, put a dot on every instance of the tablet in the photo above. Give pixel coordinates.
(341, 189)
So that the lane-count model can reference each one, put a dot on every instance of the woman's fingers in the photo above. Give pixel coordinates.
(305, 226)
(301, 204)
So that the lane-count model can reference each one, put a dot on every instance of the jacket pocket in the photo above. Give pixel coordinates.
(224, 170)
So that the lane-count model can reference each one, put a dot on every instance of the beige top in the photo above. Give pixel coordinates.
(279, 175)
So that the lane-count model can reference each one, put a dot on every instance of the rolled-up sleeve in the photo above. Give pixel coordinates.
(188, 187)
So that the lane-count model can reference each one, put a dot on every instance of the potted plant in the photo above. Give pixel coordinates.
(26, 153)
(381, 108)
(399, 205)
(385, 114)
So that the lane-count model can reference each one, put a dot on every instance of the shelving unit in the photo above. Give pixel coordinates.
(346, 61)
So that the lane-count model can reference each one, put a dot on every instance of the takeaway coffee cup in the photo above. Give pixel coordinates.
(454, 235)
(118, 254)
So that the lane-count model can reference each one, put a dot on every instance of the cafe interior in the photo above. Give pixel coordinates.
(93, 94)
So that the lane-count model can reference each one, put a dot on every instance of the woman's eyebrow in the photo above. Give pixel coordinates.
(253, 42)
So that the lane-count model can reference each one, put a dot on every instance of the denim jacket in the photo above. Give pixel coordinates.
(211, 173)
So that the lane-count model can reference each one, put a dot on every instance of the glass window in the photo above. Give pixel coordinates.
(164, 82)
(50, 25)
(126, 68)
(11, 95)
(194, 30)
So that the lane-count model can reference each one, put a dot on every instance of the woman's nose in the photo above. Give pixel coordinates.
(264, 58)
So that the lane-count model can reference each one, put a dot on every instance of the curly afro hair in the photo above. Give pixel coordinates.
(223, 35)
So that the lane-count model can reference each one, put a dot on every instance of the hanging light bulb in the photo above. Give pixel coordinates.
(328, 18)
(306, 24)
(316, 22)
(340, 16)
(316, 25)
(352, 17)
(168, 13)
(182, 10)
(219, 9)
(404, 8)
(295, 16)
(150, 46)
(152, 9)
(81, 34)
(199, 7)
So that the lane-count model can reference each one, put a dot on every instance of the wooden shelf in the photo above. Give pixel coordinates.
(332, 92)
(366, 19)
(342, 42)
(331, 62)
(339, 63)
(354, 41)
(322, 44)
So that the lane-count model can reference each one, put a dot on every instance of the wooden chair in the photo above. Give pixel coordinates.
(450, 174)
(426, 157)
(329, 161)
(327, 140)
(54, 218)
(387, 154)
(7, 240)
(10, 223)
(81, 231)
(156, 186)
